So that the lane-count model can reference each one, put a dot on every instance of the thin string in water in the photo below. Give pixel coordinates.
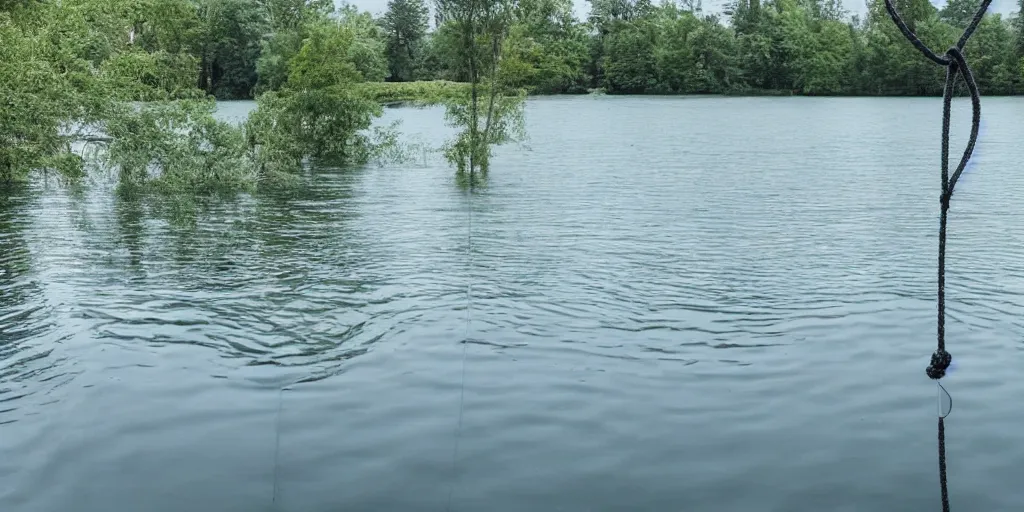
(465, 341)
(277, 440)
(955, 64)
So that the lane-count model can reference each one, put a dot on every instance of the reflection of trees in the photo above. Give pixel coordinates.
(268, 275)
(15, 258)
(129, 214)
(311, 219)
(468, 181)
(299, 244)
(22, 311)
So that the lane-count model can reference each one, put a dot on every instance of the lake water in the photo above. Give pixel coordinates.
(686, 304)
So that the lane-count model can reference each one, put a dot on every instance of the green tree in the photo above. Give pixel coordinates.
(292, 15)
(959, 13)
(763, 53)
(319, 112)
(992, 56)
(629, 64)
(1018, 26)
(548, 46)
(482, 27)
(39, 99)
(230, 47)
(405, 25)
(368, 50)
(891, 64)
(290, 22)
(817, 50)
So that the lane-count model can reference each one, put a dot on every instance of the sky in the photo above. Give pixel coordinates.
(582, 7)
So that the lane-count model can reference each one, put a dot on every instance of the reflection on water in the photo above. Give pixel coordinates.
(677, 304)
(25, 355)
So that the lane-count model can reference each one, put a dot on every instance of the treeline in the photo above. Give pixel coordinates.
(809, 47)
(241, 47)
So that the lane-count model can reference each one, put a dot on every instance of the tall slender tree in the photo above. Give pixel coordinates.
(482, 26)
(405, 25)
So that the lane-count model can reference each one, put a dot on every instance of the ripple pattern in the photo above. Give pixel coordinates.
(701, 304)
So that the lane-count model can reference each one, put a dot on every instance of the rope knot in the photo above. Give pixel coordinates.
(940, 362)
(953, 54)
(944, 200)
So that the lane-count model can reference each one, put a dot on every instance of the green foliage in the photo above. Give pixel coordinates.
(367, 49)
(37, 104)
(471, 149)
(422, 93)
(276, 53)
(320, 106)
(992, 56)
(808, 47)
(229, 44)
(959, 13)
(144, 76)
(364, 50)
(891, 65)
(1017, 23)
(441, 58)
(405, 26)
(77, 69)
(320, 111)
(292, 15)
(274, 151)
(50, 87)
(321, 123)
(177, 146)
(547, 49)
(71, 67)
(491, 114)
(783, 46)
(629, 62)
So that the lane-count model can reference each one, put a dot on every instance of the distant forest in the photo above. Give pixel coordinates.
(810, 47)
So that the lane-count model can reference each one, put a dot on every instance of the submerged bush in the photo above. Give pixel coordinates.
(70, 72)
(319, 113)
(483, 124)
(177, 146)
(422, 93)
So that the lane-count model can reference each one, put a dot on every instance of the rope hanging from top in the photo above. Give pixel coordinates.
(955, 64)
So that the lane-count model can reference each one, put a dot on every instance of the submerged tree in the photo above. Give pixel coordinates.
(320, 112)
(496, 118)
(177, 147)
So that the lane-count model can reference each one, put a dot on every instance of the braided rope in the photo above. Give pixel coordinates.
(955, 64)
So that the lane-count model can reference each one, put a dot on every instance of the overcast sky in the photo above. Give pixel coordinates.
(1005, 7)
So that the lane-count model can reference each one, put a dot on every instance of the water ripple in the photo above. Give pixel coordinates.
(671, 300)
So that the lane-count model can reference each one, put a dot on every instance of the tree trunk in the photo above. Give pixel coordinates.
(202, 74)
(474, 78)
(495, 55)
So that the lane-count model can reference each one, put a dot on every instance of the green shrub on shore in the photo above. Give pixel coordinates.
(416, 93)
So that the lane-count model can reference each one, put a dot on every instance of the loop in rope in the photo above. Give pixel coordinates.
(955, 64)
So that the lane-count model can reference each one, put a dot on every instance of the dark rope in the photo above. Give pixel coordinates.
(955, 64)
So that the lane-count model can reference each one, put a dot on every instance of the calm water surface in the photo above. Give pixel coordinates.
(687, 304)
